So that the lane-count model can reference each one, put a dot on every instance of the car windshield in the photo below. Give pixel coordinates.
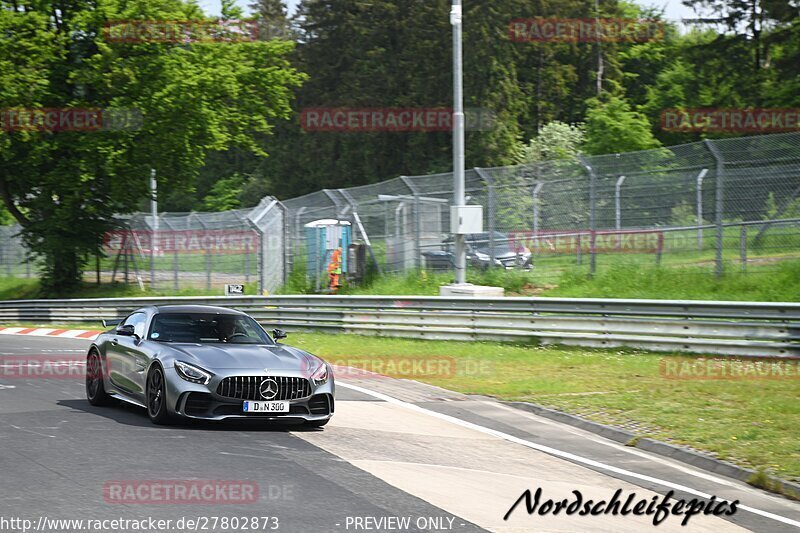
(207, 328)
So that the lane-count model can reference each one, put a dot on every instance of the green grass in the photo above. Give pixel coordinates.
(780, 283)
(752, 423)
(624, 279)
(18, 288)
(24, 288)
(632, 276)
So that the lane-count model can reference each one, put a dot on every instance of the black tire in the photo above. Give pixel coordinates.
(156, 397)
(95, 386)
(316, 423)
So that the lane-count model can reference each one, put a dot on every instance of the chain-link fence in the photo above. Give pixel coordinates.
(721, 205)
(182, 250)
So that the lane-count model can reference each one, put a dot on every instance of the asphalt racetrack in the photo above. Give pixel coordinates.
(397, 456)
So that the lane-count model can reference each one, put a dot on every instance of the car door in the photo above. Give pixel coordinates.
(126, 359)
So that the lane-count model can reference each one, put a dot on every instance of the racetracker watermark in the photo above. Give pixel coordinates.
(54, 120)
(553, 30)
(622, 241)
(190, 492)
(730, 120)
(434, 367)
(735, 369)
(373, 120)
(215, 241)
(181, 31)
(46, 367)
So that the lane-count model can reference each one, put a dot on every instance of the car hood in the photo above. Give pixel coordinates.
(244, 357)
(501, 255)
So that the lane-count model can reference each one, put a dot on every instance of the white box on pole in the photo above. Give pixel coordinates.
(466, 219)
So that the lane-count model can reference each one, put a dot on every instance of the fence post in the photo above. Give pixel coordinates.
(719, 196)
(175, 269)
(743, 248)
(287, 259)
(491, 210)
(208, 270)
(700, 208)
(247, 264)
(536, 190)
(618, 209)
(417, 221)
(336, 203)
(592, 215)
(618, 202)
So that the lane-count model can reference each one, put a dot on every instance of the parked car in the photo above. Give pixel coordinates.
(506, 254)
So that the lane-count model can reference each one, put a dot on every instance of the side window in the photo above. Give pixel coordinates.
(137, 320)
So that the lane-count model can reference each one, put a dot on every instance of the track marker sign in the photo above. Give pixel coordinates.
(234, 290)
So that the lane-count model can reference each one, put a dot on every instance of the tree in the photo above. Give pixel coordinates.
(555, 140)
(65, 188)
(272, 18)
(230, 11)
(613, 127)
(225, 194)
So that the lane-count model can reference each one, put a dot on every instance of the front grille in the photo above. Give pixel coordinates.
(226, 410)
(321, 404)
(197, 404)
(247, 388)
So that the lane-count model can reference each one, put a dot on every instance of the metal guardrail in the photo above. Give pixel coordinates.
(709, 327)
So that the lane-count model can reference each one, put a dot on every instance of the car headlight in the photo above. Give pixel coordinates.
(321, 375)
(192, 373)
(481, 256)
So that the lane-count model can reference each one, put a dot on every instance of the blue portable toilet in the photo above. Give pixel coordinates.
(323, 239)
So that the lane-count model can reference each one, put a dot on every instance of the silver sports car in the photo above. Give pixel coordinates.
(207, 363)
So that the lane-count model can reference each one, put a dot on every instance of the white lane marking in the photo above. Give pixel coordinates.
(31, 431)
(71, 333)
(559, 453)
(639, 453)
(10, 331)
(7, 387)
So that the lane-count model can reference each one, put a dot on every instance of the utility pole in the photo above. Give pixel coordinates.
(456, 20)
(154, 235)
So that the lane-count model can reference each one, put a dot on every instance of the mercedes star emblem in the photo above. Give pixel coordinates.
(268, 389)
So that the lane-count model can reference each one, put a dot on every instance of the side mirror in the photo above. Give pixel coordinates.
(126, 330)
(278, 334)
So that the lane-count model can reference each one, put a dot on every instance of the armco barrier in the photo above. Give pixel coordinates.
(722, 328)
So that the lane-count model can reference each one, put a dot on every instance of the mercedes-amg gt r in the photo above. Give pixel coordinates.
(207, 363)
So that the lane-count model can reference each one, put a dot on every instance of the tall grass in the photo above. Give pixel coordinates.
(772, 283)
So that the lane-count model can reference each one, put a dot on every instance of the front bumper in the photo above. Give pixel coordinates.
(201, 402)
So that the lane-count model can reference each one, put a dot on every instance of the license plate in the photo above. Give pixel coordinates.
(266, 407)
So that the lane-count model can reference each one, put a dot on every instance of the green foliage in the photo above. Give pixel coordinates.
(298, 281)
(5, 217)
(555, 140)
(787, 209)
(225, 194)
(684, 214)
(66, 187)
(613, 127)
